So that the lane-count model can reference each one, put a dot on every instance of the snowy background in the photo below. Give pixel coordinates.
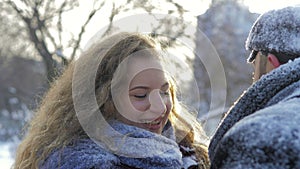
(22, 80)
(6, 157)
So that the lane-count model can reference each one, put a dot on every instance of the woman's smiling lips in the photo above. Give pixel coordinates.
(155, 124)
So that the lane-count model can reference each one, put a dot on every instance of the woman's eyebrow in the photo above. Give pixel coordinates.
(165, 85)
(139, 87)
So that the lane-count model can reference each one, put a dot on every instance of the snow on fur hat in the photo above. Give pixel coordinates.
(276, 31)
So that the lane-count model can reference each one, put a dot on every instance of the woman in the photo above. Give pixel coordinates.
(115, 107)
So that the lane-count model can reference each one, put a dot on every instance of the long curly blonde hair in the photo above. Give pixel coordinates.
(55, 123)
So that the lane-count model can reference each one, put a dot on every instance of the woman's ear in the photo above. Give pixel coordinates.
(273, 60)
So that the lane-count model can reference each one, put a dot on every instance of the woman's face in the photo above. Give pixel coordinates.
(145, 101)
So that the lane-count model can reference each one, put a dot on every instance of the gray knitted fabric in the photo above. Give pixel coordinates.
(86, 154)
(262, 129)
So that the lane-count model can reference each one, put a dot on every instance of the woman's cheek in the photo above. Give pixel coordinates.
(140, 105)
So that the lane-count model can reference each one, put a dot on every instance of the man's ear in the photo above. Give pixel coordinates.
(273, 60)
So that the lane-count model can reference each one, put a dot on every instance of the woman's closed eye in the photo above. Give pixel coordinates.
(140, 96)
(139, 92)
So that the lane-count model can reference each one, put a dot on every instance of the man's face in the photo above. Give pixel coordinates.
(261, 66)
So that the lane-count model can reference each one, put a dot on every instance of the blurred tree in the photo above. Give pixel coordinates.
(12, 36)
(226, 23)
(43, 22)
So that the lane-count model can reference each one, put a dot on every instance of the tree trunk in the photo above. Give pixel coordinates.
(40, 45)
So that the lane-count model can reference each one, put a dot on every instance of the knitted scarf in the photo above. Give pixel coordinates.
(137, 148)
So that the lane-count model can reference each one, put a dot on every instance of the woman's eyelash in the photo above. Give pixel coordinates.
(140, 96)
(145, 95)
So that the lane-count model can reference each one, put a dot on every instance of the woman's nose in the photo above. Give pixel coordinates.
(157, 103)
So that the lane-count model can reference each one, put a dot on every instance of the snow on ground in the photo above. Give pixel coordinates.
(6, 159)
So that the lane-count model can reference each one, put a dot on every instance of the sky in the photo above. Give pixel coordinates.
(260, 6)
(255, 6)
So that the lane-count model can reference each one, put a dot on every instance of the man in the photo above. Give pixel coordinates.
(262, 129)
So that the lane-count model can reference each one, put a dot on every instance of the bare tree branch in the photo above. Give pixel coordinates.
(59, 25)
(47, 6)
(114, 12)
(40, 45)
(41, 17)
(79, 38)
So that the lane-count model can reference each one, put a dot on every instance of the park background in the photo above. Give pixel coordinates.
(38, 38)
